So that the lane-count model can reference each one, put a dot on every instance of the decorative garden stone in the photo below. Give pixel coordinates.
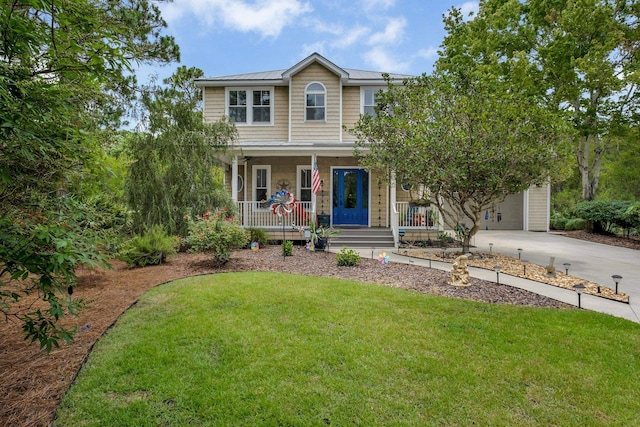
(460, 272)
(551, 270)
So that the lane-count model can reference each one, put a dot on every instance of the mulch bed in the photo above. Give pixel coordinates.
(631, 242)
(515, 267)
(34, 382)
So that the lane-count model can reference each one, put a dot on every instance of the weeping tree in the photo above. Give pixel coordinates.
(467, 139)
(174, 156)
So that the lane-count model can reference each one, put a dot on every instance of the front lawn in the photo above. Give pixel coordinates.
(280, 349)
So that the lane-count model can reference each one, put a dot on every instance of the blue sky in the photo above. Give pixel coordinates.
(224, 37)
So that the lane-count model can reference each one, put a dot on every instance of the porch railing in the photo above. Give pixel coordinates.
(417, 217)
(259, 215)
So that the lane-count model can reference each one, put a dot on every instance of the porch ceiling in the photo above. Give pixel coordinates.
(290, 149)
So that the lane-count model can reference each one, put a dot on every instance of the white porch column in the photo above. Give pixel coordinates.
(234, 179)
(392, 209)
(525, 210)
(392, 195)
(314, 197)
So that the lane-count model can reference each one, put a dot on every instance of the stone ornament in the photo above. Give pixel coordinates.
(460, 272)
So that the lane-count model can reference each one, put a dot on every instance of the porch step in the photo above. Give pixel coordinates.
(362, 238)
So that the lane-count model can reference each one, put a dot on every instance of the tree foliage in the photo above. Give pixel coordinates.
(469, 141)
(64, 75)
(580, 55)
(174, 156)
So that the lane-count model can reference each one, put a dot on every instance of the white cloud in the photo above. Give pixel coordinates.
(468, 7)
(265, 17)
(351, 37)
(378, 4)
(308, 49)
(382, 60)
(428, 53)
(393, 32)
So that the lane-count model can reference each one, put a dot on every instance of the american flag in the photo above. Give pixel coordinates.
(315, 179)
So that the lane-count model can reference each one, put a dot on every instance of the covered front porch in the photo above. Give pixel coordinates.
(348, 195)
(406, 221)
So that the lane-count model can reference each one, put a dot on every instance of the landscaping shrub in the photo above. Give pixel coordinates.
(347, 257)
(216, 233)
(287, 248)
(258, 235)
(444, 238)
(558, 222)
(604, 215)
(151, 248)
(632, 217)
(576, 224)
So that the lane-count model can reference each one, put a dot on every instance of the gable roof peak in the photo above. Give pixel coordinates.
(315, 58)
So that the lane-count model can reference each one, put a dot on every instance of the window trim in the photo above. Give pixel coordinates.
(249, 90)
(254, 185)
(299, 186)
(324, 93)
(363, 89)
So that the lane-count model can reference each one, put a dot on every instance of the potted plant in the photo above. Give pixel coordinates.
(320, 236)
(324, 236)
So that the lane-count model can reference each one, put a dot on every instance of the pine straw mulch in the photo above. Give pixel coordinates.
(33, 382)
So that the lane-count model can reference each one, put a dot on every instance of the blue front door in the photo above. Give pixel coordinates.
(350, 197)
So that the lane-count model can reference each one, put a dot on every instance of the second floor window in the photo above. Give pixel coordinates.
(250, 106)
(262, 106)
(238, 106)
(315, 102)
(369, 101)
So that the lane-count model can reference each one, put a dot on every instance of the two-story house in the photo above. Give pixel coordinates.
(290, 121)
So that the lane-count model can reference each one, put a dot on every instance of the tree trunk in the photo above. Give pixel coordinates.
(589, 167)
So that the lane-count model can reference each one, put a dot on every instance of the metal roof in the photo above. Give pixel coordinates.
(280, 77)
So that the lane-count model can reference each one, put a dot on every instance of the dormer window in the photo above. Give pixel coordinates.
(250, 106)
(315, 102)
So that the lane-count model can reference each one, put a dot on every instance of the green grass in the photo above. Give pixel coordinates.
(248, 349)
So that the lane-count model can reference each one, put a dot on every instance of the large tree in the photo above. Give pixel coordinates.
(468, 141)
(174, 155)
(65, 71)
(580, 54)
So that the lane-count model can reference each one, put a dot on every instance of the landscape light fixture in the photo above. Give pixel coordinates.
(490, 247)
(579, 288)
(519, 252)
(566, 267)
(524, 266)
(372, 250)
(497, 268)
(401, 233)
(616, 278)
(430, 255)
